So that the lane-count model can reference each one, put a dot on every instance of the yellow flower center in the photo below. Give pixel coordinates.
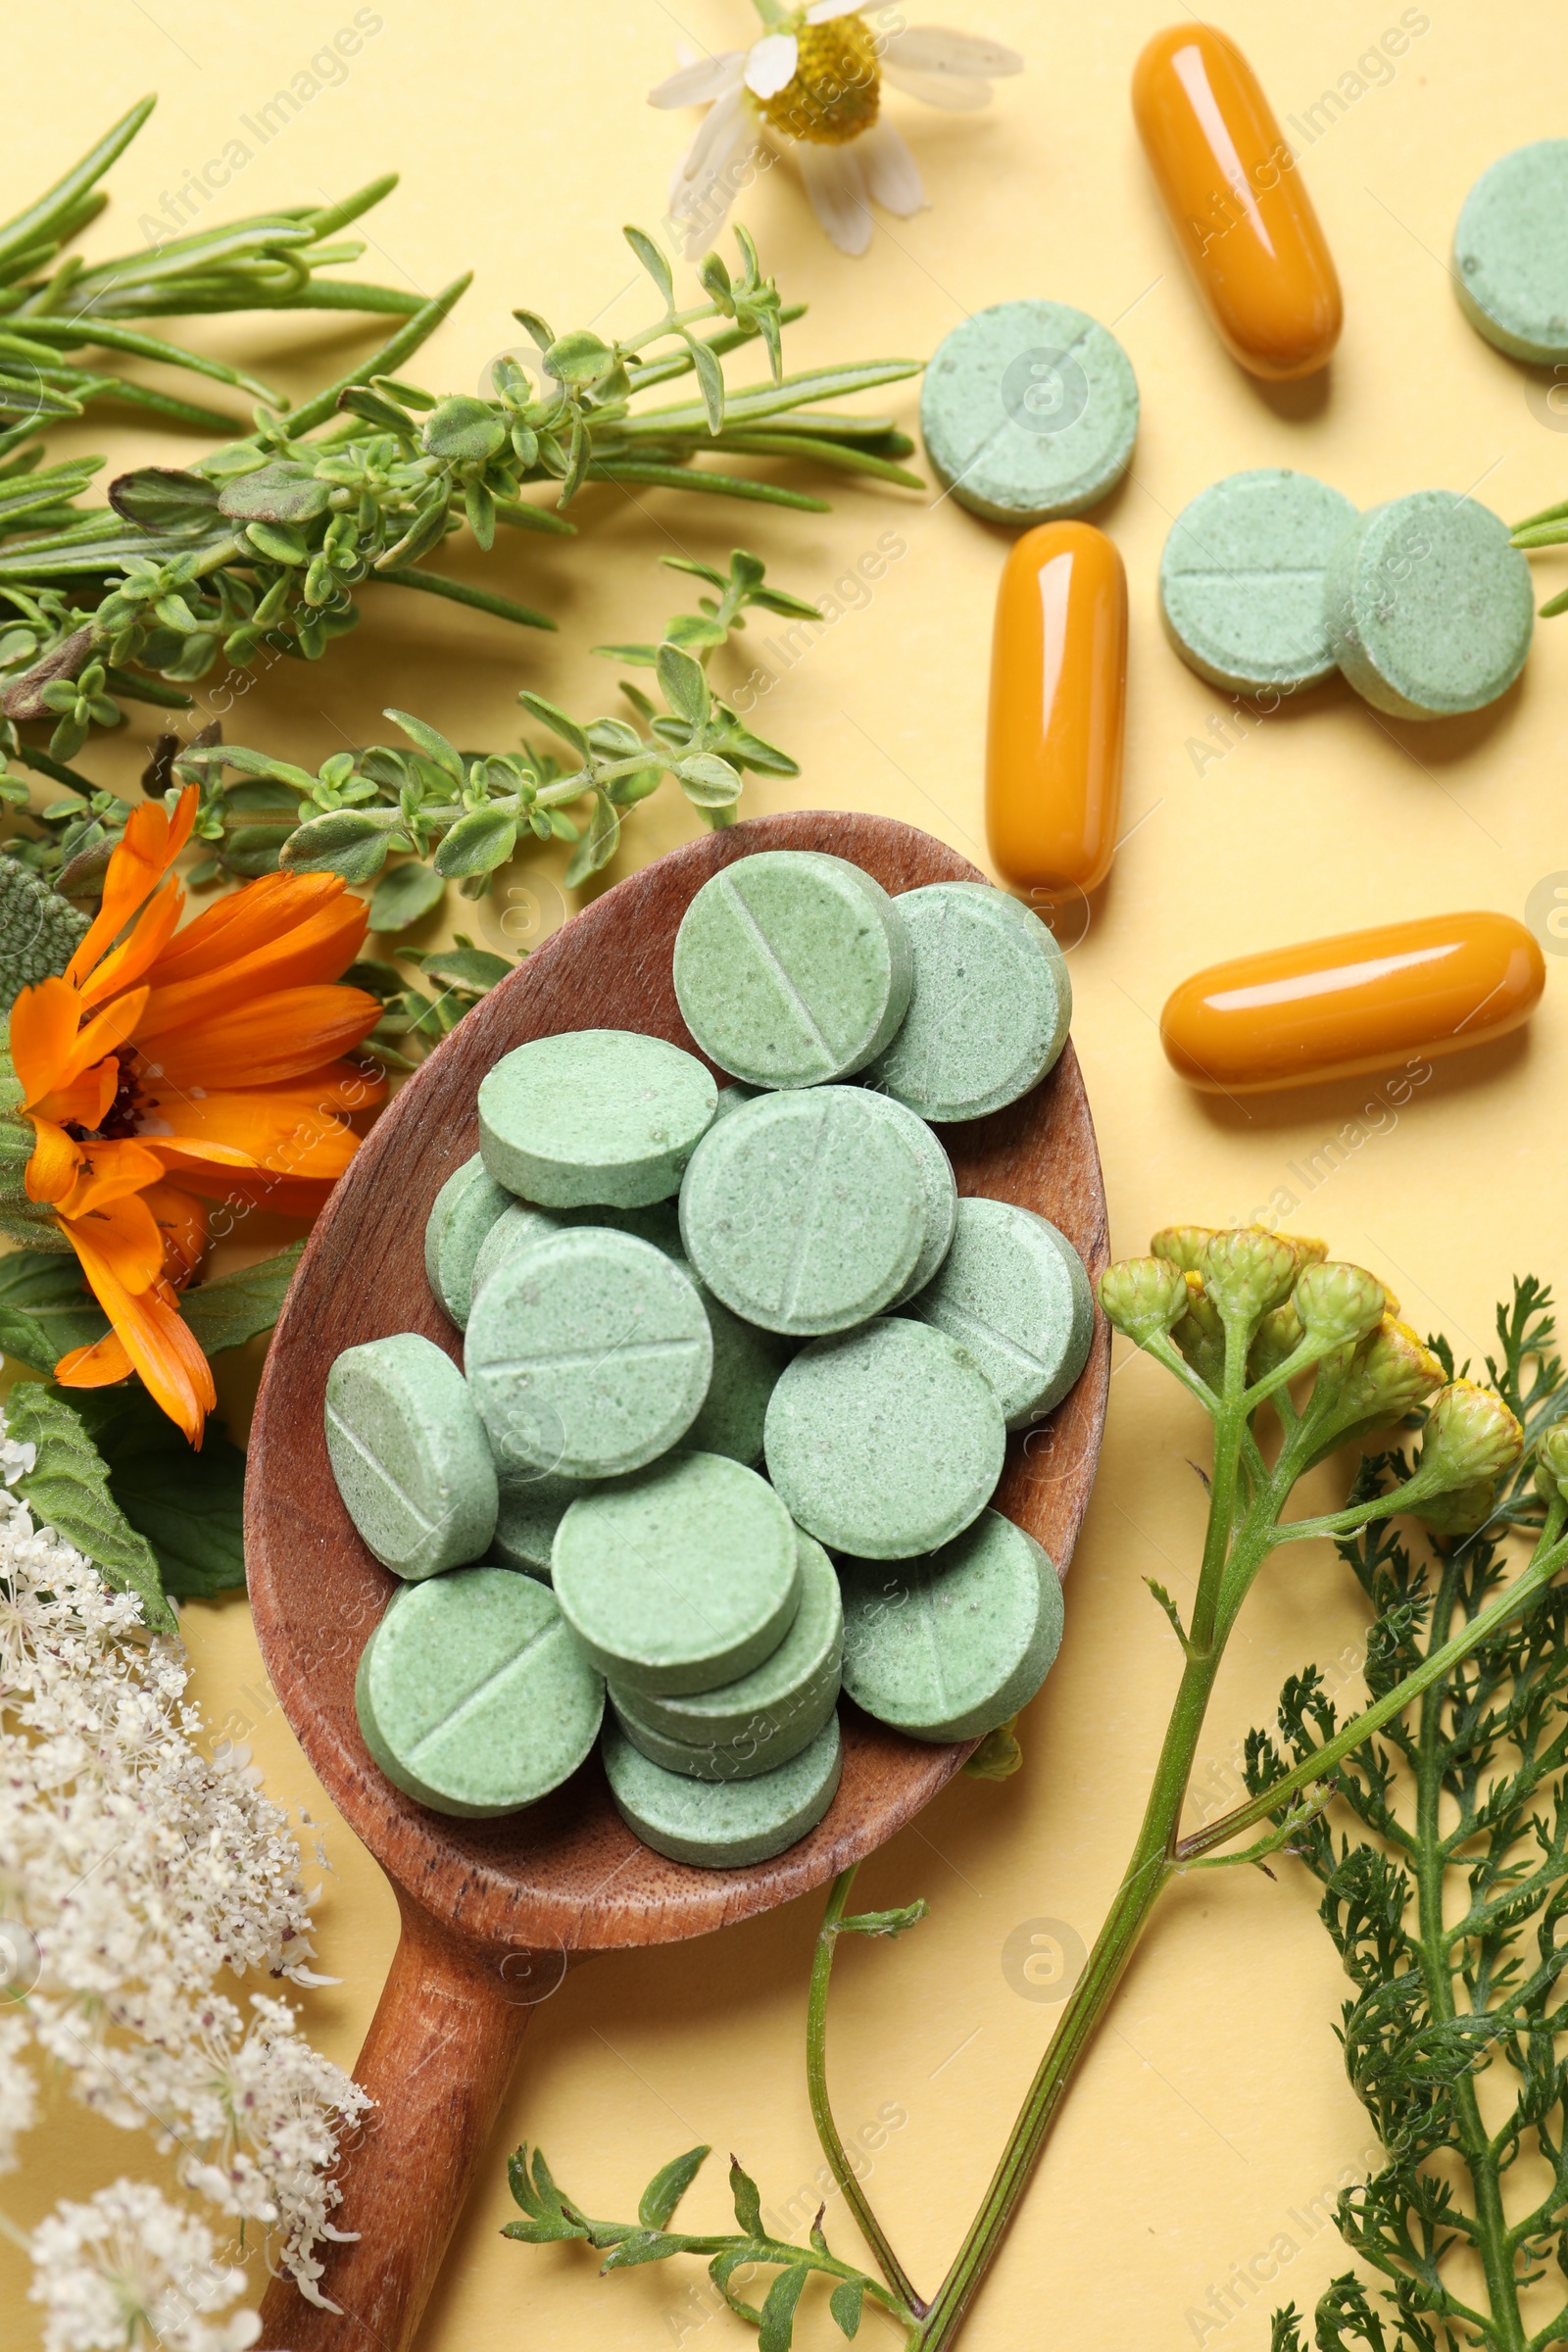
(836, 89)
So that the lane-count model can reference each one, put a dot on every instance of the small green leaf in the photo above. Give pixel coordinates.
(748, 2200)
(463, 430)
(551, 715)
(885, 1923)
(685, 687)
(542, 2233)
(653, 261)
(189, 1505)
(708, 781)
(641, 657)
(598, 845)
(405, 896)
(351, 842)
(670, 2182)
(579, 358)
(477, 843)
(161, 498)
(46, 1307)
(236, 1307)
(642, 2245)
(287, 492)
(689, 629)
(999, 1755)
(845, 2303)
(778, 2312)
(431, 741)
(466, 967)
(279, 542)
(711, 377)
(67, 1489)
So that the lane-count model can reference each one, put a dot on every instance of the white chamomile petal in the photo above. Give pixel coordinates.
(696, 84)
(836, 186)
(770, 64)
(824, 11)
(936, 49)
(957, 95)
(707, 179)
(892, 173)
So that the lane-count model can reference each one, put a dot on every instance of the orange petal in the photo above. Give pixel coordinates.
(147, 850)
(300, 1130)
(175, 1151)
(121, 1236)
(159, 1343)
(104, 1032)
(244, 1189)
(239, 925)
(182, 1220)
(94, 1367)
(55, 1165)
(111, 1172)
(85, 1101)
(43, 1032)
(147, 937)
(313, 951)
(265, 1040)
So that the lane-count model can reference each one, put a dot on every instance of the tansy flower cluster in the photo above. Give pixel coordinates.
(167, 1068)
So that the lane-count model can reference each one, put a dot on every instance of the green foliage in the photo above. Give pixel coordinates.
(188, 1506)
(237, 1306)
(462, 815)
(46, 1307)
(1447, 1912)
(550, 2218)
(67, 1489)
(262, 547)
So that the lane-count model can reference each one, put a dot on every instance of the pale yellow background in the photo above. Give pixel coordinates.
(1215, 2105)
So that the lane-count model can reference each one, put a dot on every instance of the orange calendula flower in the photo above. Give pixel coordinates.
(167, 1069)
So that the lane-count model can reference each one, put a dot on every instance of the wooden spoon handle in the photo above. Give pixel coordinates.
(436, 2061)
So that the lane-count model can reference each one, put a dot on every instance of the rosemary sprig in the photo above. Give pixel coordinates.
(1449, 1916)
(267, 543)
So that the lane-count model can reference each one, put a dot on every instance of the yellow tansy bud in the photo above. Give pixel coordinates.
(1201, 1334)
(1337, 1304)
(1247, 1271)
(1470, 1435)
(1551, 1463)
(1143, 1296)
(1183, 1244)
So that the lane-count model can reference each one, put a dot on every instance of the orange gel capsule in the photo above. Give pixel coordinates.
(1058, 696)
(1338, 1007)
(1236, 202)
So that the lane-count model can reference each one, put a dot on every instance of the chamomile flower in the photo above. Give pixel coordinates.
(813, 84)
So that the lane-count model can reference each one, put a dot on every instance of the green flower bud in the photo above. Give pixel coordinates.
(1338, 1303)
(1277, 1337)
(1201, 1334)
(1183, 1244)
(1551, 1463)
(1376, 1383)
(1143, 1296)
(1459, 1512)
(1470, 1435)
(1247, 1271)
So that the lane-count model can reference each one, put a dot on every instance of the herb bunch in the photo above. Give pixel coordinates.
(1291, 1358)
(264, 544)
(1447, 1910)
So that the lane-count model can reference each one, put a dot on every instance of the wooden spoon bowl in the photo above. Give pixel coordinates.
(493, 1911)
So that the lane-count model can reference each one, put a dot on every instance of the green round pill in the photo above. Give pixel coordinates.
(885, 1441)
(588, 1353)
(990, 1010)
(460, 1216)
(1029, 411)
(472, 1696)
(722, 1825)
(519, 1226)
(805, 1212)
(950, 1647)
(682, 1578)
(791, 968)
(940, 1188)
(1013, 1292)
(1510, 252)
(1429, 608)
(409, 1453)
(594, 1116)
(1241, 580)
(531, 1509)
(768, 1715)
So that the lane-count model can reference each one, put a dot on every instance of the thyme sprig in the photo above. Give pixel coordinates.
(1290, 1358)
(1448, 1914)
(264, 545)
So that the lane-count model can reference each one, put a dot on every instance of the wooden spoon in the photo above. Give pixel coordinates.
(492, 1911)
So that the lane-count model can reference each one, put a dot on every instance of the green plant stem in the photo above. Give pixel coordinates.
(1429, 1860)
(1549, 1555)
(828, 2131)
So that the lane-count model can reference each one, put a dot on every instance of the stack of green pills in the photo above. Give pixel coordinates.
(738, 1372)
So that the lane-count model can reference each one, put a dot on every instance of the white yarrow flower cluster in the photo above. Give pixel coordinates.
(812, 86)
(136, 1874)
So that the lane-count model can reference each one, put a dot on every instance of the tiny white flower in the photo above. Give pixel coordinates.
(813, 84)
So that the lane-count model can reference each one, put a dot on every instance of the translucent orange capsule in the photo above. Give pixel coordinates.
(1058, 695)
(1338, 1007)
(1236, 202)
